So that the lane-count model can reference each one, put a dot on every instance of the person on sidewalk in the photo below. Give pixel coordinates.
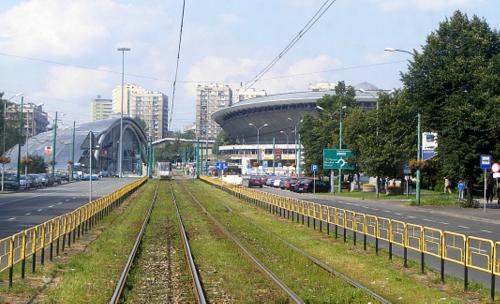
(461, 187)
(447, 185)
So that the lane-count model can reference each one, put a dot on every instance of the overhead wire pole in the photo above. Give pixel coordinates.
(169, 126)
(120, 145)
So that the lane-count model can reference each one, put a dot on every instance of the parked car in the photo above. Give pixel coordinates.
(270, 181)
(276, 182)
(307, 185)
(289, 182)
(35, 180)
(57, 178)
(50, 179)
(10, 182)
(87, 177)
(44, 181)
(255, 181)
(24, 182)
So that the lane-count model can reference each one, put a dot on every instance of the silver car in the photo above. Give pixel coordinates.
(24, 182)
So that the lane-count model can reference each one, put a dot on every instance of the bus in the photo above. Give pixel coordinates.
(164, 170)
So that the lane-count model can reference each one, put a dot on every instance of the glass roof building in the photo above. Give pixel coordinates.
(107, 134)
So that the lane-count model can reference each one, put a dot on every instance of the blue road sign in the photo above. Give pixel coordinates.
(221, 166)
(485, 161)
(314, 168)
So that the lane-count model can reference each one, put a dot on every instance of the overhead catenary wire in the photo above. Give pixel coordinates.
(169, 126)
(310, 23)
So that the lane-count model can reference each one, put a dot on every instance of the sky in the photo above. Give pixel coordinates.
(63, 53)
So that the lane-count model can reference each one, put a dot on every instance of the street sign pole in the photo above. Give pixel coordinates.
(274, 155)
(484, 193)
(90, 165)
(314, 182)
(419, 146)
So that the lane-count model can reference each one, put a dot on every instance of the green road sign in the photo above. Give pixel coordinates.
(336, 159)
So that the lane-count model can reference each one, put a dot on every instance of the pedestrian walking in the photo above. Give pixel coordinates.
(447, 185)
(461, 188)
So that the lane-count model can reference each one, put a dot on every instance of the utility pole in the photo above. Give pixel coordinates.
(274, 154)
(90, 165)
(340, 146)
(419, 154)
(120, 148)
(27, 138)
(20, 140)
(299, 155)
(72, 167)
(54, 146)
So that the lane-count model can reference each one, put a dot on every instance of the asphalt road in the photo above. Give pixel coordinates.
(22, 210)
(471, 222)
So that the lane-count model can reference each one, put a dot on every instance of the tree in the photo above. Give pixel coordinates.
(220, 140)
(455, 83)
(11, 126)
(321, 131)
(382, 140)
(37, 164)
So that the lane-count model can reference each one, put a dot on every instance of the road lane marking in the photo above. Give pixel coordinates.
(411, 216)
(39, 210)
(375, 209)
(486, 231)
(51, 206)
(428, 220)
(398, 213)
(464, 227)
(66, 200)
(444, 223)
(27, 213)
(74, 197)
(60, 203)
(11, 219)
(387, 211)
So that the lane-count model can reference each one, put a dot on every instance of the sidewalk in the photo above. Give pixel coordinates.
(491, 216)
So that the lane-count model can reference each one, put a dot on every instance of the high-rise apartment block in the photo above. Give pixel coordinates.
(150, 106)
(242, 94)
(35, 120)
(210, 98)
(100, 108)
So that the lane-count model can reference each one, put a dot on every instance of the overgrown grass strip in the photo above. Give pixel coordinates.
(91, 276)
(388, 278)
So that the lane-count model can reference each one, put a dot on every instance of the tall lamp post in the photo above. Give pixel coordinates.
(120, 145)
(4, 123)
(419, 136)
(340, 144)
(287, 148)
(258, 141)
(297, 144)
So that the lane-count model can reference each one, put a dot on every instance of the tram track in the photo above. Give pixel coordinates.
(293, 297)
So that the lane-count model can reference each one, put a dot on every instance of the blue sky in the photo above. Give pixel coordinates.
(225, 41)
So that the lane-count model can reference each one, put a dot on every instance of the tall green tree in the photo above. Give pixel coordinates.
(382, 140)
(11, 122)
(321, 130)
(455, 83)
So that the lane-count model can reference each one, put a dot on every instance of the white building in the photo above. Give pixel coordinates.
(150, 106)
(100, 108)
(242, 94)
(322, 86)
(209, 99)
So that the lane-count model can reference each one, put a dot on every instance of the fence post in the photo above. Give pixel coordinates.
(11, 261)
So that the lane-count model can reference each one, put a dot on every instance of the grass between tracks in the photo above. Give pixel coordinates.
(160, 273)
(227, 275)
(90, 277)
(388, 278)
(309, 282)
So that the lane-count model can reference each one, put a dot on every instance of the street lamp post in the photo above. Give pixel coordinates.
(120, 145)
(340, 145)
(20, 140)
(297, 144)
(258, 142)
(287, 148)
(419, 136)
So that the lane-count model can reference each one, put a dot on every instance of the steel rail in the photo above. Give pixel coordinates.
(199, 291)
(318, 263)
(115, 298)
(291, 294)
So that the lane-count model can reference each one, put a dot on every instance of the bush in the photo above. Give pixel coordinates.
(470, 204)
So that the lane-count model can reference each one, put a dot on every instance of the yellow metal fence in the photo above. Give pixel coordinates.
(469, 251)
(57, 232)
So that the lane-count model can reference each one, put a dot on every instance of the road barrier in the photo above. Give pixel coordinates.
(58, 232)
(468, 251)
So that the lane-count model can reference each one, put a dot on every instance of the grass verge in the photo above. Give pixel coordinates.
(388, 278)
(90, 277)
(227, 275)
(311, 283)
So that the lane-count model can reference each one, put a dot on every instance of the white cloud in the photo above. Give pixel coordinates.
(66, 28)
(428, 5)
(72, 88)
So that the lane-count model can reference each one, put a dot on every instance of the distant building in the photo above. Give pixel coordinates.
(190, 127)
(100, 108)
(242, 94)
(322, 86)
(150, 106)
(209, 99)
(35, 119)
